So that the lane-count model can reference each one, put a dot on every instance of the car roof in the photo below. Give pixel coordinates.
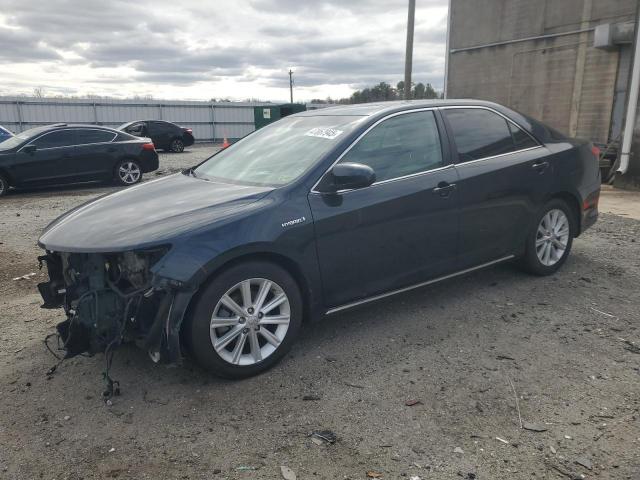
(56, 126)
(369, 109)
(151, 120)
(380, 109)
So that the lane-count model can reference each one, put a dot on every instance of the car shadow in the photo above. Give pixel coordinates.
(73, 189)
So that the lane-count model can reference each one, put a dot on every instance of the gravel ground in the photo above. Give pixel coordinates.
(418, 385)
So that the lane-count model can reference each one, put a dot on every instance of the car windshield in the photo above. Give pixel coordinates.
(124, 125)
(279, 153)
(20, 138)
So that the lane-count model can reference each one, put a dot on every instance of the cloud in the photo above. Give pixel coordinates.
(21, 47)
(201, 50)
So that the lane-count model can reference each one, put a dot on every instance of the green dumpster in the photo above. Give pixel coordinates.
(267, 114)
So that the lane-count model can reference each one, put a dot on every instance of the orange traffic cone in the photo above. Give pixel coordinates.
(225, 143)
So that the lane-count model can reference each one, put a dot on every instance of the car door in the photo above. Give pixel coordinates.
(45, 159)
(160, 133)
(96, 153)
(402, 229)
(503, 179)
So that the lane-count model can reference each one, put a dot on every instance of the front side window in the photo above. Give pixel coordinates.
(59, 138)
(401, 145)
(87, 136)
(280, 152)
(480, 133)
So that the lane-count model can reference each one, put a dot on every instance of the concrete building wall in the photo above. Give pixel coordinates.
(563, 81)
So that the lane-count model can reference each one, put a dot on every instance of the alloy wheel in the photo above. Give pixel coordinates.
(129, 173)
(250, 321)
(177, 146)
(552, 237)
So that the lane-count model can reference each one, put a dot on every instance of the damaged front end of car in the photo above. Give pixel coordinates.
(113, 298)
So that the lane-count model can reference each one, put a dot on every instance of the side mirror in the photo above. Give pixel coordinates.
(348, 176)
(30, 149)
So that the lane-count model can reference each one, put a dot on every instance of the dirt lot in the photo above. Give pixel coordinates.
(569, 346)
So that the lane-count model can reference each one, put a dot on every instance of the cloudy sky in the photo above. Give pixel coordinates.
(191, 49)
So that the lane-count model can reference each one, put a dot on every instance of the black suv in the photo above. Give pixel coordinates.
(165, 135)
(61, 153)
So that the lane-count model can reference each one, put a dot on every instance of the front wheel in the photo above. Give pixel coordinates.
(550, 240)
(128, 172)
(245, 320)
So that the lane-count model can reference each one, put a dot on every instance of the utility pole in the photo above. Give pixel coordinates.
(409, 55)
(291, 84)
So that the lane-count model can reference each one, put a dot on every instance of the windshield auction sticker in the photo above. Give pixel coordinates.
(329, 133)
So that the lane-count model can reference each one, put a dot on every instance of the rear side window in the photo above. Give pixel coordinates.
(59, 138)
(479, 133)
(402, 145)
(84, 137)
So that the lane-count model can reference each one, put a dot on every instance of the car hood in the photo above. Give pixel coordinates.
(148, 214)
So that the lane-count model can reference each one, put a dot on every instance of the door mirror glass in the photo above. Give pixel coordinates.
(30, 149)
(349, 176)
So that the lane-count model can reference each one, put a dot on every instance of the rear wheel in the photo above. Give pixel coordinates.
(128, 172)
(4, 185)
(177, 145)
(245, 320)
(550, 240)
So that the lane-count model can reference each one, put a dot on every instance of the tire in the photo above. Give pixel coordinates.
(255, 343)
(177, 145)
(4, 185)
(544, 255)
(127, 172)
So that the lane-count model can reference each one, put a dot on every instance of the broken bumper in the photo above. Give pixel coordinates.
(111, 298)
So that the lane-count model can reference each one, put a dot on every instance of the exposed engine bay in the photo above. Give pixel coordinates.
(113, 298)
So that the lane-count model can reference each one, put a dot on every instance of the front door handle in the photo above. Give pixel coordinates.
(444, 189)
(540, 166)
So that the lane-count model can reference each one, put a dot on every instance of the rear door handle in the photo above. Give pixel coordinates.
(444, 189)
(540, 166)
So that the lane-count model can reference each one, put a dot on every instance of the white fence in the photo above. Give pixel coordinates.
(209, 121)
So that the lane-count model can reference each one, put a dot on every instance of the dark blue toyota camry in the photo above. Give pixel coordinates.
(317, 213)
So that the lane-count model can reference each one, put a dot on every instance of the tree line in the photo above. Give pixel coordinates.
(385, 92)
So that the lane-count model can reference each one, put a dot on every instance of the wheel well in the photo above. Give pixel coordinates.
(125, 158)
(289, 265)
(6, 175)
(574, 204)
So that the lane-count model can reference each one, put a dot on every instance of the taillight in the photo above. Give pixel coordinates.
(188, 130)
(148, 146)
(596, 152)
